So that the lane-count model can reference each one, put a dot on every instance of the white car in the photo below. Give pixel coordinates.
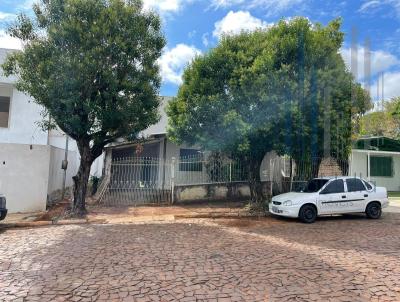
(331, 195)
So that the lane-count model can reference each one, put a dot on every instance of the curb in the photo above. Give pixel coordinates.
(33, 224)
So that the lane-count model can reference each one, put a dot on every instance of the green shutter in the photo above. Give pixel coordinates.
(381, 166)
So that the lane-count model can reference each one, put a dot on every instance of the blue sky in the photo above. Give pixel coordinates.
(193, 26)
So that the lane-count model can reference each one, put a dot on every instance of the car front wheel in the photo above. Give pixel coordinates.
(374, 210)
(308, 213)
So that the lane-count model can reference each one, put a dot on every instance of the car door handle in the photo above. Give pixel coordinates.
(343, 196)
(365, 195)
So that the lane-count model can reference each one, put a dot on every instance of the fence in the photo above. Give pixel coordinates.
(201, 169)
(290, 175)
(136, 181)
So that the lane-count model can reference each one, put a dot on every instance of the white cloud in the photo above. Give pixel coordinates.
(173, 61)
(165, 6)
(391, 86)
(204, 39)
(380, 61)
(369, 5)
(9, 42)
(235, 22)
(6, 16)
(373, 5)
(271, 7)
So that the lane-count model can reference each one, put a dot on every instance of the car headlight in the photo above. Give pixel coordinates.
(287, 203)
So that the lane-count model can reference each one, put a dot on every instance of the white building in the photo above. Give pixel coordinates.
(378, 160)
(30, 158)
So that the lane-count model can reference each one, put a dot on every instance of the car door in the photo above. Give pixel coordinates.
(357, 194)
(333, 198)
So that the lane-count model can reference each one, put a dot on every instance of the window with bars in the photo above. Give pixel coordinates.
(381, 166)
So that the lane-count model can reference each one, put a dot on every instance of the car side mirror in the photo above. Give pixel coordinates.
(323, 192)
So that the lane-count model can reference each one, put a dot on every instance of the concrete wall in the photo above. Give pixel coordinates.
(29, 177)
(359, 168)
(221, 191)
(24, 176)
(56, 174)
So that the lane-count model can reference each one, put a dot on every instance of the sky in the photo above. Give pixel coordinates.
(192, 27)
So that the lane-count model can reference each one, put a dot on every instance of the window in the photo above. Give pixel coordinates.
(4, 111)
(354, 185)
(314, 185)
(381, 166)
(190, 160)
(368, 185)
(336, 186)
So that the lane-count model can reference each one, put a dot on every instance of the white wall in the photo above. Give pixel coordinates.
(359, 168)
(56, 174)
(97, 166)
(24, 113)
(24, 176)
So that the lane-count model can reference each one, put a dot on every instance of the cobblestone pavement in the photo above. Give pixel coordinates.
(272, 259)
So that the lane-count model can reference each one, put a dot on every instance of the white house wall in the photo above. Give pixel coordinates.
(24, 176)
(359, 168)
(23, 117)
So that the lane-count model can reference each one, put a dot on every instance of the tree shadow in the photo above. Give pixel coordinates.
(178, 259)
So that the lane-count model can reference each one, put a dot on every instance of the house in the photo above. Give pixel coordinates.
(30, 158)
(378, 160)
(152, 166)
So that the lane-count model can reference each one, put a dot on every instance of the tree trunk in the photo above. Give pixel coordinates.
(256, 190)
(81, 180)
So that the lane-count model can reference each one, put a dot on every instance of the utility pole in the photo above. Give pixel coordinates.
(64, 166)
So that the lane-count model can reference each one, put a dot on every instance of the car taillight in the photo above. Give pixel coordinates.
(2, 202)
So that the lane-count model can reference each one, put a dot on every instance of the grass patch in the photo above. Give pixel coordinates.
(394, 194)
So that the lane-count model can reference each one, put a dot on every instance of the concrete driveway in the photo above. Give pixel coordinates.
(270, 259)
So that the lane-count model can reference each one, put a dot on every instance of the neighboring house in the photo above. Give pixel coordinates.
(30, 158)
(154, 162)
(377, 159)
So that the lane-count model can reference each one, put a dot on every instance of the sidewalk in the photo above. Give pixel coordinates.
(122, 215)
(394, 205)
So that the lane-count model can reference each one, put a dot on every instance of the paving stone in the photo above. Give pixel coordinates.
(346, 259)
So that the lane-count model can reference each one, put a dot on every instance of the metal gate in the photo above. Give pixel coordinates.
(137, 181)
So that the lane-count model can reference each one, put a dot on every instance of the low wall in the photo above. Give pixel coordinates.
(218, 191)
(24, 171)
(31, 175)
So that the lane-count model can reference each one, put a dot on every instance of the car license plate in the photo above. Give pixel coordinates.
(275, 209)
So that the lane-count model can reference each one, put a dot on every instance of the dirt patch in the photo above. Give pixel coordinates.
(55, 212)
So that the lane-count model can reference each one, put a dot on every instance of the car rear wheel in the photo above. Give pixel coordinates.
(374, 210)
(308, 213)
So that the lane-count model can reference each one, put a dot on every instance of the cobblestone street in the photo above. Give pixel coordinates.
(271, 259)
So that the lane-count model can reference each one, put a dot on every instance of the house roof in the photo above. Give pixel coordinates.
(154, 132)
(161, 127)
(3, 54)
(377, 143)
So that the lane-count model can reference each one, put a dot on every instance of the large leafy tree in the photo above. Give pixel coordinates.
(382, 123)
(92, 64)
(269, 90)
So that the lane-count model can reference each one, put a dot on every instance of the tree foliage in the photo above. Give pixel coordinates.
(93, 65)
(281, 89)
(382, 123)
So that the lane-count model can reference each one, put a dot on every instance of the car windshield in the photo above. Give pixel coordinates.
(314, 185)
